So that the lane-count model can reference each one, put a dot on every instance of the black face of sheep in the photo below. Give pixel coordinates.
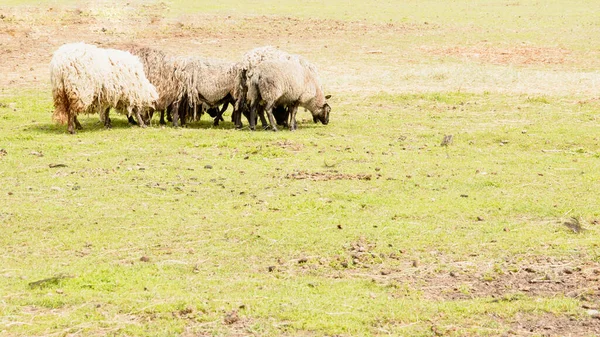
(322, 114)
(323, 117)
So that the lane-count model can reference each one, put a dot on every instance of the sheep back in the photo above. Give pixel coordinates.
(159, 70)
(283, 82)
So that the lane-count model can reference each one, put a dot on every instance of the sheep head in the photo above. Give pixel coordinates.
(322, 113)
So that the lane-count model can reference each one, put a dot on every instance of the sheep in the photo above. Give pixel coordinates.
(160, 70)
(286, 82)
(88, 79)
(250, 60)
(128, 85)
(204, 82)
(188, 86)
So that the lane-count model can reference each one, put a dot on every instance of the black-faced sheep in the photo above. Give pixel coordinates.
(88, 79)
(288, 83)
(250, 60)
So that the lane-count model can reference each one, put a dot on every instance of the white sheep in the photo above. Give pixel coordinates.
(88, 79)
(289, 83)
(188, 86)
(203, 82)
(160, 71)
(250, 60)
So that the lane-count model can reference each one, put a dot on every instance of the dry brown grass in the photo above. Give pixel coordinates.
(350, 54)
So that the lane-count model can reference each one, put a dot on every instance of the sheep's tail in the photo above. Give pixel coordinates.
(61, 100)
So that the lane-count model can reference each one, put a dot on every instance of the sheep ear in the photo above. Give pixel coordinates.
(328, 97)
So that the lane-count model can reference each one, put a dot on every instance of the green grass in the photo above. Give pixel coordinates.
(162, 231)
(211, 234)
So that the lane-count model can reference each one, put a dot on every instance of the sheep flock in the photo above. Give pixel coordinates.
(140, 81)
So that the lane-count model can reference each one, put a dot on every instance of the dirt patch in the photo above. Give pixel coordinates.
(545, 280)
(520, 55)
(289, 145)
(29, 35)
(507, 282)
(326, 176)
(511, 281)
(552, 325)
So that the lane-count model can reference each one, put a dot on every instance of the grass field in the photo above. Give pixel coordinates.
(365, 227)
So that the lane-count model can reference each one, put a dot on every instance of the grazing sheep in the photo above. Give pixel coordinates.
(160, 71)
(207, 83)
(250, 60)
(286, 82)
(188, 86)
(88, 79)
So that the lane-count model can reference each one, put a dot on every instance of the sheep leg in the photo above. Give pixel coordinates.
(77, 124)
(286, 122)
(162, 118)
(71, 125)
(236, 115)
(293, 110)
(220, 115)
(269, 110)
(263, 120)
(131, 120)
(236, 118)
(252, 119)
(140, 120)
(175, 114)
(107, 123)
(148, 117)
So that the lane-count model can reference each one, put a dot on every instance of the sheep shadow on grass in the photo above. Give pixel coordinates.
(92, 123)
(89, 123)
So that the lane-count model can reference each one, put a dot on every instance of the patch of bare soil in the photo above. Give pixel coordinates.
(541, 277)
(326, 176)
(553, 325)
(235, 324)
(520, 55)
(538, 279)
(29, 35)
(289, 145)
